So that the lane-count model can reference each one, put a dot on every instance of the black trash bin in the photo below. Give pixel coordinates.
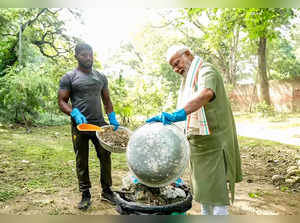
(127, 207)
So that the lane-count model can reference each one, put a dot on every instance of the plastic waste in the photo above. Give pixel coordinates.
(134, 179)
(179, 182)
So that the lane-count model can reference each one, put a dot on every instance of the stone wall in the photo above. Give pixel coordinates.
(284, 96)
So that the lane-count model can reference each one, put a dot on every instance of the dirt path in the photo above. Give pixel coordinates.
(289, 136)
(285, 131)
(270, 202)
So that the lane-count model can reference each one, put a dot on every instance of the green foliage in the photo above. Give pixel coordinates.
(136, 99)
(147, 85)
(264, 109)
(122, 104)
(261, 22)
(6, 194)
(282, 60)
(254, 195)
(279, 117)
(229, 88)
(284, 188)
(9, 28)
(154, 62)
(28, 88)
(227, 36)
(23, 92)
(41, 30)
(172, 80)
(219, 41)
(52, 118)
(149, 100)
(29, 94)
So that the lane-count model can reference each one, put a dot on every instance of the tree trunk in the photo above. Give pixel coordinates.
(227, 77)
(234, 56)
(263, 84)
(252, 97)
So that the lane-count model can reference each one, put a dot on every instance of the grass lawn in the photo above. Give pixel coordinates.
(42, 159)
(42, 163)
(278, 120)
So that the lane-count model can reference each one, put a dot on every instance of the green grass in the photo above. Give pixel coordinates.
(277, 117)
(254, 194)
(43, 159)
(253, 142)
(6, 193)
(52, 119)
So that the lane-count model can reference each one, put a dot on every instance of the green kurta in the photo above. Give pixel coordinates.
(215, 158)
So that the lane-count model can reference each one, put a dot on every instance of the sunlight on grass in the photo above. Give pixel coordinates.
(253, 142)
(277, 117)
(43, 159)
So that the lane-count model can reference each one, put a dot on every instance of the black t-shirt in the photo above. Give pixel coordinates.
(85, 93)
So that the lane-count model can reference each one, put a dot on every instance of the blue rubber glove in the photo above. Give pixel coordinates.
(113, 121)
(78, 116)
(179, 182)
(167, 118)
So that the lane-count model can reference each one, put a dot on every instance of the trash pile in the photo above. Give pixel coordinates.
(113, 138)
(272, 165)
(133, 190)
(290, 177)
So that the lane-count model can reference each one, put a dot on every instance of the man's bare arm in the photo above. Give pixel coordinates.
(201, 100)
(108, 107)
(63, 98)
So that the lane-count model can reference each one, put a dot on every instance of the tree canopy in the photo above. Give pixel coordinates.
(36, 49)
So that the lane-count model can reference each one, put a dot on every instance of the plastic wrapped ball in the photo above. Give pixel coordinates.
(157, 154)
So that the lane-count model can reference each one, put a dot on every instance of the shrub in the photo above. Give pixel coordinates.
(264, 109)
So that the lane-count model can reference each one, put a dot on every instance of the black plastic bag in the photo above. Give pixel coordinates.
(126, 207)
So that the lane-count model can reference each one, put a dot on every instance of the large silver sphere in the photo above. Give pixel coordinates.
(157, 154)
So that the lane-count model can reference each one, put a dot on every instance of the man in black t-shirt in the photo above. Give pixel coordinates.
(86, 88)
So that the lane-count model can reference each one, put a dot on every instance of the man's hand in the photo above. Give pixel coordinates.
(113, 121)
(78, 116)
(167, 118)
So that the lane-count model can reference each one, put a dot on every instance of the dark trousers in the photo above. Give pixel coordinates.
(81, 148)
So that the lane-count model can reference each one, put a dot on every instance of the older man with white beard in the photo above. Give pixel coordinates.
(205, 112)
